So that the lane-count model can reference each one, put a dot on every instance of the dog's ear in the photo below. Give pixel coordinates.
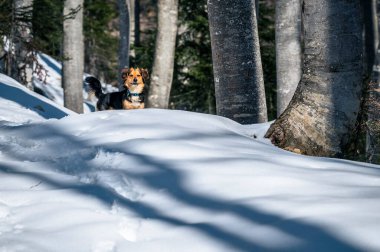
(124, 73)
(144, 73)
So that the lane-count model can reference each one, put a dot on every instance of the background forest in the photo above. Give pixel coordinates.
(192, 87)
(334, 111)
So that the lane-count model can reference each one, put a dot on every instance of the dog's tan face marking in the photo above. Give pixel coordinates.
(134, 79)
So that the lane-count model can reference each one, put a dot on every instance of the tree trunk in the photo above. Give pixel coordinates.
(373, 122)
(132, 21)
(257, 4)
(22, 65)
(73, 52)
(373, 102)
(238, 73)
(137, 22)
(323, 111)
(288, 51)
(371, 35)
(163, 64)
(124, 43)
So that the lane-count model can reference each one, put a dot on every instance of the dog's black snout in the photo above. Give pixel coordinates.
(135, 80)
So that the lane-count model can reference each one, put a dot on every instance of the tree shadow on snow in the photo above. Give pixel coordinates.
(165, 176)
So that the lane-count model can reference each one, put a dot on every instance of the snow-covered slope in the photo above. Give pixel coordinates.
(19, 105)
(49, 83)
(162, 180)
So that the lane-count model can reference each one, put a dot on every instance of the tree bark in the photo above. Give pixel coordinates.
(73, 52)
(238, 73)
(163, 64)
(22, 65)
(288, 51)
(373, 122)
(257, 7)
(323, 111)
(124, 43)
(373, 101)
(371, 35)
(137, 22)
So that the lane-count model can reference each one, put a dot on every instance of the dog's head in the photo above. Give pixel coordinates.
(134, 78)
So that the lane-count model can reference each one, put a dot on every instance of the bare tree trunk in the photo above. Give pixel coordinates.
(22, 65)
(324, 108)
(371, 35)
(373, 100)
(257, 5)
(163, 64)
(124, 43)
(238, 73)
(288, 50)
(132, 22)
(73, 52)
(373, 122)
(137, 22)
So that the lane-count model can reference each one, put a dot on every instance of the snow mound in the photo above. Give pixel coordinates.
(163, 180)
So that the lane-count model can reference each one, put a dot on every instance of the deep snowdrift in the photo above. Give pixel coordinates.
(161, 180)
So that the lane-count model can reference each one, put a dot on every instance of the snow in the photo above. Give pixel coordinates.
(164, 180)
(49, 82)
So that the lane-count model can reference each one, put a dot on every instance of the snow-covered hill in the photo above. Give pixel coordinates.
(163, 180)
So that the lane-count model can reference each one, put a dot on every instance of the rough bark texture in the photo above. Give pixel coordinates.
(373, 103)
(238, 74)
(288, 51)
(323, 111)
(73, 51)
(163, 64)
(124, 43)
(373, 122)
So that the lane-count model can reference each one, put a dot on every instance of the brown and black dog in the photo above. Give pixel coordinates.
(130, 98)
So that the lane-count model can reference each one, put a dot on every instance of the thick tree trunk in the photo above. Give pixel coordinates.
(373, 102)
(73, 52)
(373, 122)
(288, 50)
(323, 111)
(124, 43)
(238, 73)
(163, 64)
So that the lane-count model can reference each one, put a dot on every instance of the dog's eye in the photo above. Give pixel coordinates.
(131, 75)
(138, 75)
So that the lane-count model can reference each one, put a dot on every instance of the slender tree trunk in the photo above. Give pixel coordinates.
(22, 65)
(124, 43)
(257, 6)
(238, 73)
(73, 52)
(137, 22)
(324, 109)
(132, 21)
(288, 50)
(371, 35)
(163, 64)
(3, 54)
